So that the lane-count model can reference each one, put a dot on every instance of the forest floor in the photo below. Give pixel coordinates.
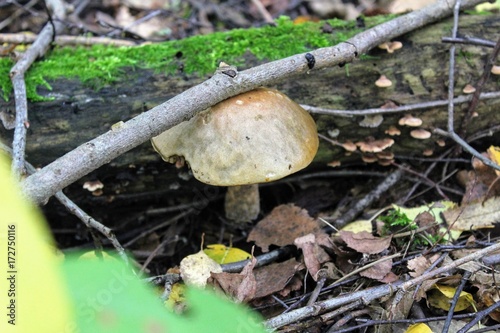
(314, 261)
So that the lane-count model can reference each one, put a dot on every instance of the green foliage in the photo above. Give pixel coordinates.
(108, 297)
(5, 82)
(101, 65)
(396, 218)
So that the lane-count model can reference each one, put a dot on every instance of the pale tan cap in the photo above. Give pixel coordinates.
(255, 137)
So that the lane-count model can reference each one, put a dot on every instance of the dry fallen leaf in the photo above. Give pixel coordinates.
(365, 242)
(473, 216)
(274, 277)
(378, 271)
(282, 226)
(240, 286)
(418, 265)
(314, 255)
(488, 296)
(196, 268)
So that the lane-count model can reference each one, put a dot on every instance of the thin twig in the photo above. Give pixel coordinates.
(317, 289)
(17, 13)
(37, 50)
(263, 11)
(90, 222)
(157, 250)
(370, 322)
(22, 38)
(479, 316)
(262, 259)
(424, 178)
(386, 184)
(451, 87)
(348, 317)
(160, 225)
(454, 301)
(99, 151)
(365, 267)
(370, 294)
(73, 208)
(402, 108)
(469, 41)
(479, 87)
(143, 19)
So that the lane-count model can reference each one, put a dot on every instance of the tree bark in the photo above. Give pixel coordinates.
(418, 73)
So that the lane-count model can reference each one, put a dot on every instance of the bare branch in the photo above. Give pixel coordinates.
(370, 294)
(38, 49)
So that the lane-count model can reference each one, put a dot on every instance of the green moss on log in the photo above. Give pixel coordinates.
(101, 65)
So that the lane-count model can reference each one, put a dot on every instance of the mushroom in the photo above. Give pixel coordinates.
(383, 82)
(409, 120)
(370, 145)
(468, 89)
(349, 146)
(255, 137)
(385, 158)
(428, 152)
(334, 163)
(385, 155)
(371, 121)
(392, 131)
(495, 70)
(420, 134)
(93, 185)
(440, 142)
(369, 158)
(390, 47)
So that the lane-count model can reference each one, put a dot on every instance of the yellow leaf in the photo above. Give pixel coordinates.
(177, 299)
(434, 208)
(91, 255)
(33, 294)
(359, 226)
(441, 295)
(494, 154)
(225, 255)
(418, 328)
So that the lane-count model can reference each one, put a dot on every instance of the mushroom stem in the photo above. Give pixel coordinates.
(242, 203)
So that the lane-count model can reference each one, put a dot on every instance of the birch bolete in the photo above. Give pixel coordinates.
(255, 137)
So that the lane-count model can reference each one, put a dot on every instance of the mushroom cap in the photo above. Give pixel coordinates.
(255, 137)
(495, 70)
(392, 131)
(374, 146)
(411, 121)
(468, 89)
(420, 134)
(383, 82)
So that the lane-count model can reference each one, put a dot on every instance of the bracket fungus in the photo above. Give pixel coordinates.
(370, 145)
(255, 137)
(420, 134)
(411, 121)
